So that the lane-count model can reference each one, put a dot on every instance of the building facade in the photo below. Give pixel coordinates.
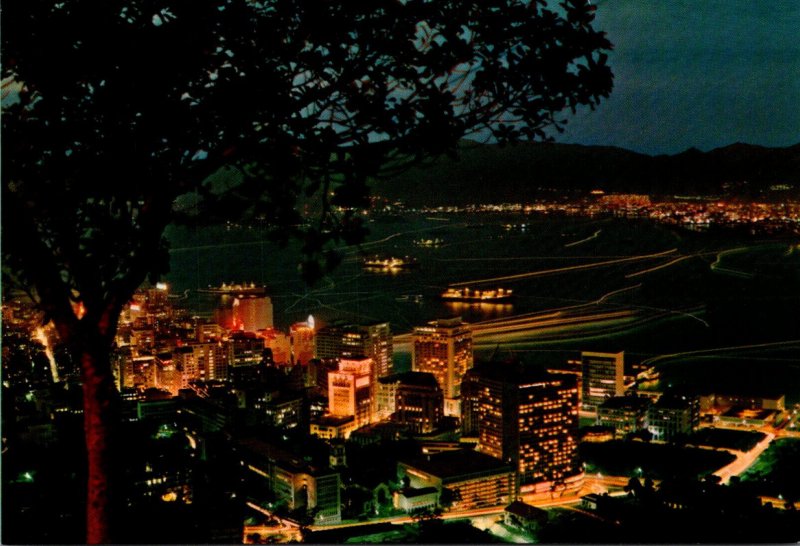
(350, 390)
(302, 342)
(444, 349)
(603, 378)
(350, 341)
(528, 417)
(672, 416)
(418, 401)
(473, 480)
(625, 414)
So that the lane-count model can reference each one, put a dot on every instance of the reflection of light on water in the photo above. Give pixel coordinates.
(483, 307)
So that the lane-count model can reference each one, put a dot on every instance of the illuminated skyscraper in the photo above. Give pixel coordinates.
(201, 361)
(301, 339)
(528, 417)
(350, 390)
(350, 341)
(374, 341)
(444, 348)
(411, 398)
(278, 343)
(245, 313)
(602, 378)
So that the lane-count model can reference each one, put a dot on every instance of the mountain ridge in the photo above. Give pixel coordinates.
(490, 173)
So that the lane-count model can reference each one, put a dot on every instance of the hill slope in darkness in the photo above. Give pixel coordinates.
(489, 173)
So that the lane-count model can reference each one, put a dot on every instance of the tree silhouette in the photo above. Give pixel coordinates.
(127, 108)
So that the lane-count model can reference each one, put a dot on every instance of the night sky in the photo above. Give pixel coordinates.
(697, 73)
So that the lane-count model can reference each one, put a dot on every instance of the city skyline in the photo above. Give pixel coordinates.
(274, 291)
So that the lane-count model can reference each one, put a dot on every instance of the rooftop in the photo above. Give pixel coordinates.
(411, 492)
(333, 420)
(517, 373)
(526, 511)
(626, 402)
(419, 379)
(457, 465)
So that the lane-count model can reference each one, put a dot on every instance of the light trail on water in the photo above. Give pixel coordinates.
(543, 272)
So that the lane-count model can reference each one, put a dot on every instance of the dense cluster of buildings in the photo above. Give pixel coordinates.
(491, 433)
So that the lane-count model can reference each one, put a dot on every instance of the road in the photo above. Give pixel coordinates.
(744, 459)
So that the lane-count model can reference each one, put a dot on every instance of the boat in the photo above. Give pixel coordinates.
(224, 289)
(468, 294)
(412, 298)
(430, 243)
(389, 262)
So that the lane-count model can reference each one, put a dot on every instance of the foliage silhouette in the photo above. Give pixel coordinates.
(133, 114)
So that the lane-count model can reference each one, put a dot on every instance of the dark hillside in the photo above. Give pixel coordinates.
(488, 173)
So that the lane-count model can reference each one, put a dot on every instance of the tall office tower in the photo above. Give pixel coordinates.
(302, 342)
(254, 313)
(528, 417)
(169, 376)
(329, 340)
(245, 352)
(413, 398)
(419, 402)
(157, 298)
(201, 361)
(278, 343)
(207, 331)
(470, 402)
(350, 390)
(602, 378)
(246, 313)
(372, 340)
(444, 348)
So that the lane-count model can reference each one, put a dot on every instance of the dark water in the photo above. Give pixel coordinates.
(479, 248)
(473, 248)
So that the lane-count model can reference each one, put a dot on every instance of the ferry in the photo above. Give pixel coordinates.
(390, 262)
(429, 243)
(224, 289)
(497, 295)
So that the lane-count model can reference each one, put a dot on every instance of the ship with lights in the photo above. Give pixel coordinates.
(391, 263)
(467, 294)
(233, 289)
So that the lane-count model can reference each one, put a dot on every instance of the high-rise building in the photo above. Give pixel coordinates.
(329, 340)
(348, 340)
(673, 415)
(243, 308)
(246, 314)
(470, 403)
(351, 341)
(350, 390)
(374, 341)
(254, 313)
(602, 378)
(201, 361)
(245, 357)
(411, 398)
(528, 418)
(277, 342)
(301, 340)
(444, 348)
(625, 414)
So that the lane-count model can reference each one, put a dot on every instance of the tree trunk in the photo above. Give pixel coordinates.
(101, 416)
